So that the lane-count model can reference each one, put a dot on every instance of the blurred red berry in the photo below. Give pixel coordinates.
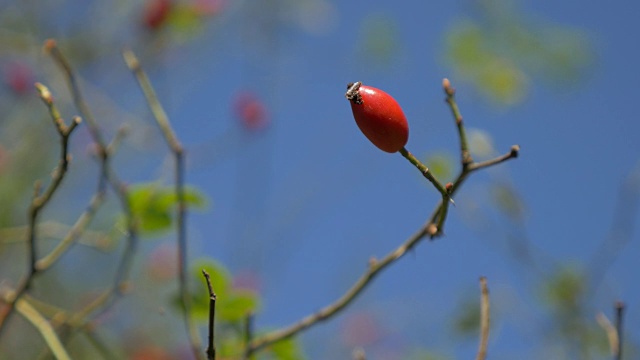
(4, 158)
(208, 7)
(150, 353)
(156, 13)
(361, 329)
(18, 77)
(247, 280)
(250, 110)
(379, 117)
(162, 262)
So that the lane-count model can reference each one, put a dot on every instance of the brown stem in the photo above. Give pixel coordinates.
(484, 320)
(40, 200)
(178, 151)
(211, 348)
(430, 228)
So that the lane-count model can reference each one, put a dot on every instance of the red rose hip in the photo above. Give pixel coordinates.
(379, 117)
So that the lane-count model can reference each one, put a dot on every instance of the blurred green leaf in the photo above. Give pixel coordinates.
(380, 38)
(229, 347)
(237, 304)
(232, 305)
(220, 281)
(287, 349)
(500, 49)
(424, 354)
(467, 320)
(565, 290)
(465, 48)
(185, 20)
(480, 144)
(441, 165)
(152, 205)
(508, 201)
(501, 80)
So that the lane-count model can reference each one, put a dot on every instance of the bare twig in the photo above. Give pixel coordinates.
(612, 333)
(619, 329)
(107, 175)
(485, 320)
(211, 348)
(178, 152)
(248, 336)
(45, 329)
(513, 153)
(40, 200)
(73, 234)
(54, 230)
(430, 228)
(359, 354)
(424, 170)
(465, 155)
(446, 198)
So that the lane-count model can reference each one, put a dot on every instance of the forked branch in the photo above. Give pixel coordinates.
(432, 228)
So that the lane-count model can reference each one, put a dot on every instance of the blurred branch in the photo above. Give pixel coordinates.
(612, 334)
(359, 354)
(73, 234)
(621, 231)
(41, 199)
(52, 229)
(178, 152)
(484, 319)
(248, 336)
(211, 348)
(430, 228)
(107, 175)
(619, 329)
(44, 328)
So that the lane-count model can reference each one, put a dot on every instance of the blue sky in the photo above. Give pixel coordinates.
(308, 201)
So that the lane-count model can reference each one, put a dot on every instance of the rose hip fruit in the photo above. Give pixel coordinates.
(379, 117)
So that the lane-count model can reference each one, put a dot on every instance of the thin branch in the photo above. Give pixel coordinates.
(612, 334)
(484, 320)
(430, 228)
(40, 200)
(55, 230)
(446, 198)
(107, 175)
(424, 171)
(248, 336)
(152, 99)
(512, 154)
(375, 267)
(619, 328)
(178, 151)
(51, 47)
(465, 154)
(211, 348)
(45, 329)
(73, 234)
